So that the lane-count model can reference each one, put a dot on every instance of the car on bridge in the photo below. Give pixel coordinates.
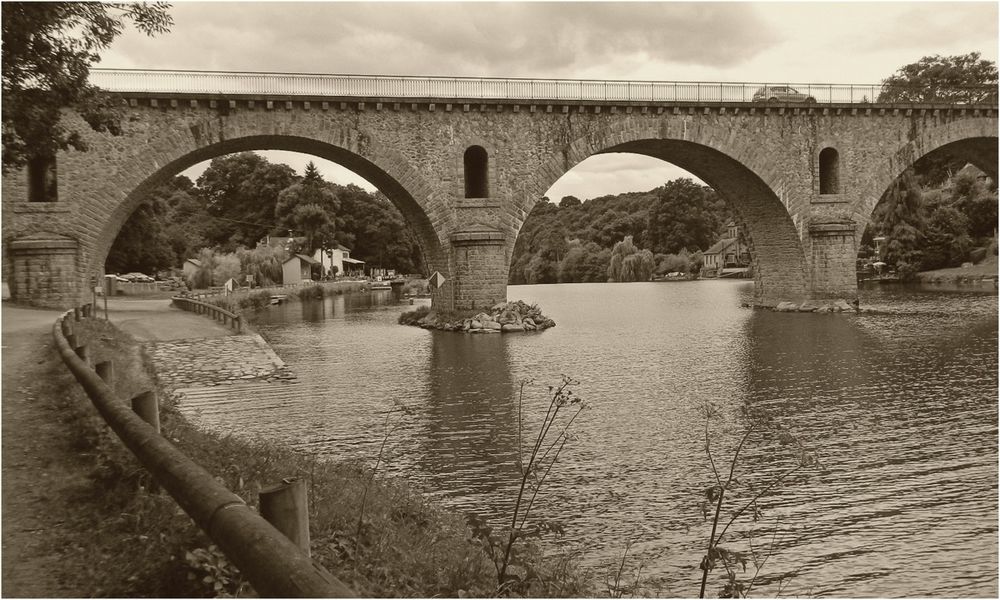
(781, 93)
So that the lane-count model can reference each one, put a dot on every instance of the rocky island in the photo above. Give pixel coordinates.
(504, 317)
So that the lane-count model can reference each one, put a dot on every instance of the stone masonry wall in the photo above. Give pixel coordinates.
(763, 160)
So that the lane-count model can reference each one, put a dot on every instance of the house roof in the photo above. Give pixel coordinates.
(720, 246)
(354, 261)
(307, 259)
(194, 261)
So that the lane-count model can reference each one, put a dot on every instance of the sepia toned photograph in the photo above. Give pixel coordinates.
(499, 299)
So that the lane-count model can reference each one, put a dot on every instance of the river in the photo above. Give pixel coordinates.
(899, 403)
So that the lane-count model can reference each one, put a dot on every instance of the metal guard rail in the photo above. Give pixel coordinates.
(489, 88)
(228, 318)
(273, 564)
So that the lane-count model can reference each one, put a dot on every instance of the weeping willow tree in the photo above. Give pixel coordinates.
(629, 263)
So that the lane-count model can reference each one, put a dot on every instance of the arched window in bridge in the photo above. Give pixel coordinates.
(42, 179)
(476, 181)
(829, 171)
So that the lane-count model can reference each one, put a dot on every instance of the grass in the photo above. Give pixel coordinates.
(137, 542)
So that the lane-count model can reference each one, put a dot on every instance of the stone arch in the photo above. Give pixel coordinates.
(974, 140)
(737, 172)
(392, 176)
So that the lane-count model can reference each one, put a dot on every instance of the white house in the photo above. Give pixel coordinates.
(339, 257)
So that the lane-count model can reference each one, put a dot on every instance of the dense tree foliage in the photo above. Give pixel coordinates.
(934, 227)
(573, 241)
(311, 208)
(684, 215)
(48, 48)
(167, 228)
(960, 78)
(241, 192)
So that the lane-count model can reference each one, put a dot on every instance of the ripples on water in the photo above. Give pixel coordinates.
(901, 403)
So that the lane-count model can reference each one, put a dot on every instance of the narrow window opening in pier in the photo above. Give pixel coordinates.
(829, 171)
(476, 181)
(42, 183)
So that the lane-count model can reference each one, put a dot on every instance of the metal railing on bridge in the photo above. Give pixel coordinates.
(552, 90)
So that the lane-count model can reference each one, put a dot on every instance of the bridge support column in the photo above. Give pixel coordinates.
(44, 270)
(480, 269)
(833, 258)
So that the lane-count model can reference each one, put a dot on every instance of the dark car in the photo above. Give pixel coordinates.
(781, 93)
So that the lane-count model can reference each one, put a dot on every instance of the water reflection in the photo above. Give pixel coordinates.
(468, 422)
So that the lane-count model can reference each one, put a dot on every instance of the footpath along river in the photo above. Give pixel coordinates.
(900, 403)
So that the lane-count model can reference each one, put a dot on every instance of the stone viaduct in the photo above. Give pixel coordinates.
(466, 159)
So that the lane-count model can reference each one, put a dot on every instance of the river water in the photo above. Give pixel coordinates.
(899, 403)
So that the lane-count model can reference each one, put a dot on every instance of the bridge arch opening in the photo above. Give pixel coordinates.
(476, 161)
(939, 212)
(829, 171)
(415, 219)
(765, 231)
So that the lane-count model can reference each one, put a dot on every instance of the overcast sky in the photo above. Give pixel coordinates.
(799, 42)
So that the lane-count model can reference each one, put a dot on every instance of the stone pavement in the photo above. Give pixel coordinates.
(216, 361)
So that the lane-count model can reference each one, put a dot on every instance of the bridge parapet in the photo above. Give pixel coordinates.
(131, 81)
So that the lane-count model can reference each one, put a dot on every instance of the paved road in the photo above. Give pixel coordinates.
(157, 320)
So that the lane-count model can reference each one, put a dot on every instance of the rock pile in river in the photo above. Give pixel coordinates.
(505, 317)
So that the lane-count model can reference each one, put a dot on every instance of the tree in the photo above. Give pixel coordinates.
(241, 192)
(569, 202)
(309, 207)
(959, 78)
(684, 215)
(142, 245)
(48, 48)
(974, 198)
(901, 218)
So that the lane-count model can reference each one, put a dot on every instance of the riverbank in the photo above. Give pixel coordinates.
(983, 272)
(117, 537)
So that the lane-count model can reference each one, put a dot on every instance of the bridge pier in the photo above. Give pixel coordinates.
(833, 251)
(480, 268)
(44, 270)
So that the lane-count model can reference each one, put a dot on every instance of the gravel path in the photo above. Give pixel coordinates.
(42, 473)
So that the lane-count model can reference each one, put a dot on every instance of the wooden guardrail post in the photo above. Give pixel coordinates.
(147, 406)
(106, 371)
(239, 323)
(286, 506)
(76, 314)
(83, 352)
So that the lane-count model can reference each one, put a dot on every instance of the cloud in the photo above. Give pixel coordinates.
(616, 173)
(533, 39)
